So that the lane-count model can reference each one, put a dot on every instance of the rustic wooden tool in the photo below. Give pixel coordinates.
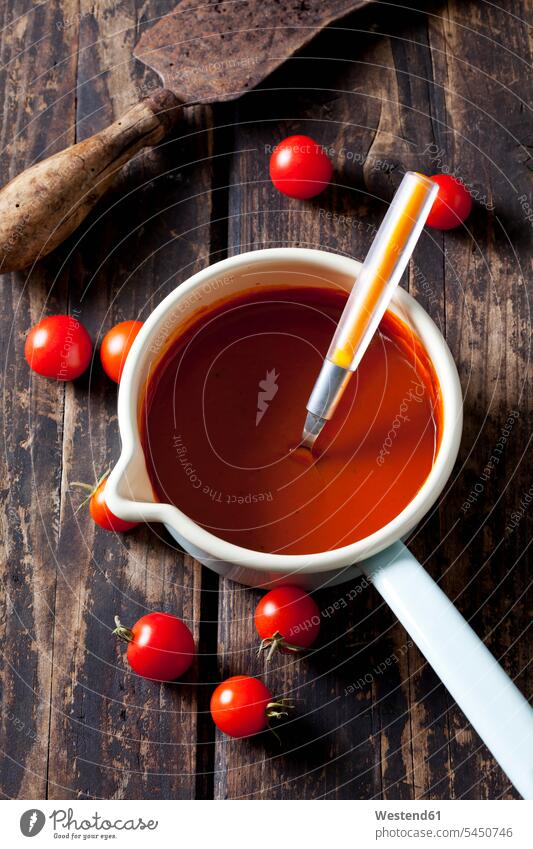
(203, 54)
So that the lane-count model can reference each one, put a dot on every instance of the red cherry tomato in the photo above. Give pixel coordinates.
(102, 515)
(58, 347)
(299, 168)
(452, 205)
(115, 347)
(160, 646)
(288, 619)
(242, 706)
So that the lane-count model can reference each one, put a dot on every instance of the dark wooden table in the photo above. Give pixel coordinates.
(389, 89)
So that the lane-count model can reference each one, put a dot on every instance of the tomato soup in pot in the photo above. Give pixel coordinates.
(223, 413)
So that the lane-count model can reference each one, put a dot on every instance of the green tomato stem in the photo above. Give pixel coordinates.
(276, 710)
(121, 632)
(87, 487)
(275, 643)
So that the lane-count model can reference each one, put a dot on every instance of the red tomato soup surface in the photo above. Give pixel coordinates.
(223, 415)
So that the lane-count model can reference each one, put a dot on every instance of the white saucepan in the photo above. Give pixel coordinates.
(489, 699)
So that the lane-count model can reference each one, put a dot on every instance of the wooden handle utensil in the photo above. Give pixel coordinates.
(202, 54)
(45, 204)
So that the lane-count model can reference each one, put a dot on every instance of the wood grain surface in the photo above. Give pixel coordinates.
(438, 86)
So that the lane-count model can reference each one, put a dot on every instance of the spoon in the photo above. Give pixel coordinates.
(382, 269)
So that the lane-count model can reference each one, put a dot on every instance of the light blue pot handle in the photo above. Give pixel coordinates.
(492, 703)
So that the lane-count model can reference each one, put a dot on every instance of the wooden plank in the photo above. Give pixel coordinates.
(479, 62)
(334, 748)
(113, 734)
(37, 118)
(405, 738)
